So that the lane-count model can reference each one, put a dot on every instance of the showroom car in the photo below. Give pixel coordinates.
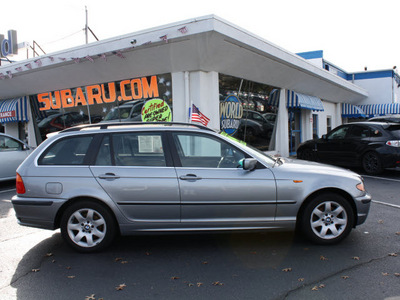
(101, 180)
(12, 153)
(127, 112)
(374, 146)
(60, 121)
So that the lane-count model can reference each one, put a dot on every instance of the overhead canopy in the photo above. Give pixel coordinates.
(382, 109)
(297, 100)
(352, 111)
(14, 110)
(209, 44)
(273, 98)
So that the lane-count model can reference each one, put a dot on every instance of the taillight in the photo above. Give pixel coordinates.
(393, 143)
(20, 185)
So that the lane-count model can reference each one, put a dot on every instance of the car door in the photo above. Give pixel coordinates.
(332, 147)
(355, 144)
(12, 154)
(213, 186)
(136, 170)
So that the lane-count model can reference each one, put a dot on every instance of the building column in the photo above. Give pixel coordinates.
(282, 124)
(338, 115)
(198, 88)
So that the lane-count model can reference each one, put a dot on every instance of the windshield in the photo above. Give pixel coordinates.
(114, 114)
(259, 155)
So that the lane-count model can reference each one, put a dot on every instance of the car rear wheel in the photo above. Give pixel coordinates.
(327, 219)
(87, 226)
(371, 163)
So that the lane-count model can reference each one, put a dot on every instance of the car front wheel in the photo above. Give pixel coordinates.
(327, 219)
(87, 226)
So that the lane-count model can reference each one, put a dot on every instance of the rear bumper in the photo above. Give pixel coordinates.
(37, 212)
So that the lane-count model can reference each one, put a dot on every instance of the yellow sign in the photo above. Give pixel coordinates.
(156, 110)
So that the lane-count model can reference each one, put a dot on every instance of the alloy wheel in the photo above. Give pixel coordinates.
(328, 220)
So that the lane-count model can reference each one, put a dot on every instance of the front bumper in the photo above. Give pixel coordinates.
(363, 204)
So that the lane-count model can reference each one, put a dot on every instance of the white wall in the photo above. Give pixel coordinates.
(330, 109)
(379, 90)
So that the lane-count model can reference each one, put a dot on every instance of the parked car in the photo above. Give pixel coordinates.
(96, 181)
(60, 121)
(373, 146)
(127, 112)
(387, 118)
(12, 153)
(271, 117)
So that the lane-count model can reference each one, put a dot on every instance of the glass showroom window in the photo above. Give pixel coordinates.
(247, 111)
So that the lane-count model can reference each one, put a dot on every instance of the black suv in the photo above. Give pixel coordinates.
(373, 146)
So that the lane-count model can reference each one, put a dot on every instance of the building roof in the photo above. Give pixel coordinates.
(207, 43)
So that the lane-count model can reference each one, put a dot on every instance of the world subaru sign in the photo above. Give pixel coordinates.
(9, 45)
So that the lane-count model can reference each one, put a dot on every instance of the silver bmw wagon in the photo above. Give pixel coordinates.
(97, 181)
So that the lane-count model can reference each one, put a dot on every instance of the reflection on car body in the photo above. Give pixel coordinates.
(96, 181)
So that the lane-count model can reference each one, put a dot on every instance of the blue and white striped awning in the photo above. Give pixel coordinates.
(297, 100)
(382, 109)
(273, 98)
(14, 110)
(352, 111)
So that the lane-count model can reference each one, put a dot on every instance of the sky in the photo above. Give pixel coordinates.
(353, 34)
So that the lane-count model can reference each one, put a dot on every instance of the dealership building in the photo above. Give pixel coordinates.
(242, 84)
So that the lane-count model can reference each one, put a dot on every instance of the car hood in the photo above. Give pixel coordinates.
(297, 166)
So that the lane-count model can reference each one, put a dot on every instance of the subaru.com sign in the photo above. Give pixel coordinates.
(9, 45)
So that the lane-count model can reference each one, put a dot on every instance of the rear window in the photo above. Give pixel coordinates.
(68, 151)
(395, 130)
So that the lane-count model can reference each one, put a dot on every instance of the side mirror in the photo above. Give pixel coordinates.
(324, 137)
(25, 147)
(249, 164)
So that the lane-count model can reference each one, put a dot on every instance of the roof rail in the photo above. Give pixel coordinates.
(106, 125)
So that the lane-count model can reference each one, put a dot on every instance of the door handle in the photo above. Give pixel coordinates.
(189, 177)
(108, 176)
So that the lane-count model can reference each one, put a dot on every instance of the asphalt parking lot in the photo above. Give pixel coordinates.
(36, 264)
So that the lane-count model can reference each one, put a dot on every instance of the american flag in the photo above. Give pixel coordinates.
(197, 116)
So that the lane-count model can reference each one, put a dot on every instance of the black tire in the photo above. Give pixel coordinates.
(88, 226)
(327, 219)
(371, 163)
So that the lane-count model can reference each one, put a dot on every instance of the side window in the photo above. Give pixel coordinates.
(68, 151)
(338, 134)
(206, 152)
(358, 132)
(8, 144)
(376, 133)
(138, 149)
